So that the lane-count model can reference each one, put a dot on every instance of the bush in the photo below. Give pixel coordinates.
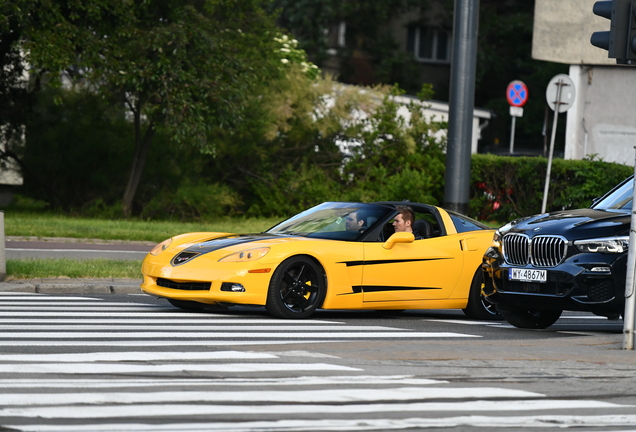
(505, 188)
(203, 202)
(77, 149)
(291, 191)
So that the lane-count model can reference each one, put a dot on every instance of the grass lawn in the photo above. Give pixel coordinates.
(65, 267)
(47, 225)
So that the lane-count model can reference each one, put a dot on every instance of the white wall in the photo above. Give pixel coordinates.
(602, 120)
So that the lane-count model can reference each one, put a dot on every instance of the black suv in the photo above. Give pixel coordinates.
(541, 265)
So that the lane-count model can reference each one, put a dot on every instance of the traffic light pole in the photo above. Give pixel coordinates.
(630, 281)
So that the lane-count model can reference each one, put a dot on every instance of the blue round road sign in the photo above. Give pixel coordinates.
(517, 93)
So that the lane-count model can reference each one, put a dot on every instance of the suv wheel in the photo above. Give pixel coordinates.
(531, 319)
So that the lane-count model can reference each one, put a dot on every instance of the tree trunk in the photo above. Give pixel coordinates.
(142, 146)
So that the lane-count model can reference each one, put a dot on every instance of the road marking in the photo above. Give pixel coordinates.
(175, 313)
(137, 356)
(76, 250)
(483, 422)
(169, 343)
(465, 322)
(220, 335)
(339, 380)
(46, 297)
(74, 304)
(98, 368)
(267, 396)
(184, 410)
(67, 309)
(227, 327)
(150, 320)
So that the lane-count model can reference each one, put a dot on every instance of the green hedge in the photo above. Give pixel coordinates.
(504, 188)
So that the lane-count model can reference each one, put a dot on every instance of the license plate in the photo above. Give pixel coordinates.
(528, 275)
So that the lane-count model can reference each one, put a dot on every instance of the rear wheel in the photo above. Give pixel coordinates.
(479, 307)
(297, 288)
(532, 319)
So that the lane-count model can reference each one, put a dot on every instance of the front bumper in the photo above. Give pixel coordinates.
(206, 285)
(590, 282)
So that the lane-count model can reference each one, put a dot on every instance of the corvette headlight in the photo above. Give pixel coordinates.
(246, 255)
(160, 247)
(603, 245)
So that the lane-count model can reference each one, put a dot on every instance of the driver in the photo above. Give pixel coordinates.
(356, 221)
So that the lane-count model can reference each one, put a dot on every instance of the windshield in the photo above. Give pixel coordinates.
(333, 220)
(619, 199)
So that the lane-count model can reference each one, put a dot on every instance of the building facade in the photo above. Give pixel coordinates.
(601, 122)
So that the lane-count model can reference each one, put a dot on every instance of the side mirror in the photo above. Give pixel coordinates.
(401, 237)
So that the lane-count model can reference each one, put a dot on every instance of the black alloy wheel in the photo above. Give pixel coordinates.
(297, 288)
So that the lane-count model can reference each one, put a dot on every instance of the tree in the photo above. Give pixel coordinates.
(368, 35)
(498, 63)
(183, 67)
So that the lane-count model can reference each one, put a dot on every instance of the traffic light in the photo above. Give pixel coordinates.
(614, 40)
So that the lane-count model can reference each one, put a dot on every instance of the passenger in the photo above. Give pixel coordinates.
(404, 219)
(356, 221)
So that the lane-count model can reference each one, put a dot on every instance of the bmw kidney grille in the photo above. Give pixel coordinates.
(540, 251)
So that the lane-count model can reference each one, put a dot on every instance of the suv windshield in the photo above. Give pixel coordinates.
(619, 199)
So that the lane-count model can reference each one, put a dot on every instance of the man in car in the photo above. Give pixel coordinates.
(404, 220)
(355, 221)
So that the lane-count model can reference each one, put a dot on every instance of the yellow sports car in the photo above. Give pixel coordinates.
(336, 255)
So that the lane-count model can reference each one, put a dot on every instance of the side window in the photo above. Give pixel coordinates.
(465, 224)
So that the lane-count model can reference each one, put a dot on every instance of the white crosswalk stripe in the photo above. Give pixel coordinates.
(225, 389)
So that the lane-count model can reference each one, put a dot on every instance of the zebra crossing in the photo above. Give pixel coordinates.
(127, 366)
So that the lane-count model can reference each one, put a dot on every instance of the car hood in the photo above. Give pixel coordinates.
(236, 240)
(576, 224)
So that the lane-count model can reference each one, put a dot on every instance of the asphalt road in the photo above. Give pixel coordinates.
(75, 360)
(135, 363)
(23, 249)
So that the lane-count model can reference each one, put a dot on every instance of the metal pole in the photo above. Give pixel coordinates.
(630, 298)
(3, 257)
(512, 135)
(462, 103)
(552, 138)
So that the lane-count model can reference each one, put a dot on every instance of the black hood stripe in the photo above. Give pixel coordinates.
(224, 242)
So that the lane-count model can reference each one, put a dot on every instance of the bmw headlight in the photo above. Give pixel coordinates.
(603, 245)
(160, 247)
(496, 240)
(246, 255)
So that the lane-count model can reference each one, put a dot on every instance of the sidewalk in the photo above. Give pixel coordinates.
(73, 286)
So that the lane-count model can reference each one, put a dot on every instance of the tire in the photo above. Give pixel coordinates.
(479, 307)
(531, 319)
(298, 287)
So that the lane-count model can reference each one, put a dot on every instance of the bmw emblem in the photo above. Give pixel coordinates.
(537, 229)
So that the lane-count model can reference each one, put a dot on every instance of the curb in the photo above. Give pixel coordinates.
(73, 286)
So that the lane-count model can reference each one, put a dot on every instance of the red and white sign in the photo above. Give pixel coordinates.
(517, 93)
